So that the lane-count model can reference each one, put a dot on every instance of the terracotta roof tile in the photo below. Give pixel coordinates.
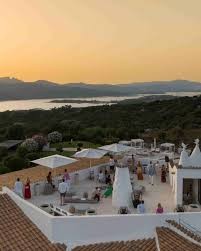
(135, 245)
(18, 233)
(170, 240)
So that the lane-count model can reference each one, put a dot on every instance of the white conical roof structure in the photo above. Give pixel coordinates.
(195, 157)
(54, 161)
(184, 160)
(90, 153)
(122, 189)
(116, 148)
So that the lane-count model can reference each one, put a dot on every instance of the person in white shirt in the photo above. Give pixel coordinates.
(141, 208)
(63, 187)
(18, 188)
(101, 177)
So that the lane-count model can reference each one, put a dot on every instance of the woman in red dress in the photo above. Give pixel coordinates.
(27, 189)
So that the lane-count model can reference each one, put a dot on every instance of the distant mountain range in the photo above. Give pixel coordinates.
(14, 89)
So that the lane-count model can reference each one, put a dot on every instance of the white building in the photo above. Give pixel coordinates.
(186, 177)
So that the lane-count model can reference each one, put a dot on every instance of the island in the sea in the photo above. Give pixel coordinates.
(81, 101)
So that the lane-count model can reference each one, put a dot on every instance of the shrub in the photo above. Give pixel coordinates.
(54, 137)
(40, 140)
(79, 144)
(4, 169)
(15, 163)
(32, 156)
(31, 145)
(59, 148)
(22, 151)
(3, 152)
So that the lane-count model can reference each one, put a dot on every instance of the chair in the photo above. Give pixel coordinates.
(48, 189)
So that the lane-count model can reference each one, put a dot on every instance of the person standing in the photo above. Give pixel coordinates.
(139, 171)
(163, 174)
(141, 208)
(49, 179)
(27, 189)
(63, 186)
(151, 173)
(66, 178)
(159, 209)
(18, 188)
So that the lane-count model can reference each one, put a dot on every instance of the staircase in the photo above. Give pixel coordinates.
(185, 228)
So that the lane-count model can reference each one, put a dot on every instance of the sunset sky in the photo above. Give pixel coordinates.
(100, 41)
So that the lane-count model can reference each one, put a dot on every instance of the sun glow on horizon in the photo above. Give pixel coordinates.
(95, 41)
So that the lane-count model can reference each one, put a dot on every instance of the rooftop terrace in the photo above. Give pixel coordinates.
(159, 192)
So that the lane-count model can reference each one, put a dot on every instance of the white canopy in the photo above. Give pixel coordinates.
(54, 161)
(90, 153)
(137, 140)
(121, 195)
(167, 145)
(124, 142)
(116, 148)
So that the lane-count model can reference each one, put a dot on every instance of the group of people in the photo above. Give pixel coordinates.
(23, 190)
(151, 171)
(141, 208)
(104, 177)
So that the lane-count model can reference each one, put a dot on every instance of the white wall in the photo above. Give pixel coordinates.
(83, 175)
(94, 229)
(81, 230)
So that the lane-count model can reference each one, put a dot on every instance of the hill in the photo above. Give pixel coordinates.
(14, 89)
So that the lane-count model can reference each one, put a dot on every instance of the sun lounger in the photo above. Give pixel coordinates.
(60, 212)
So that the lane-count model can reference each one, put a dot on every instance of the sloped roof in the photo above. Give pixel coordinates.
(170, 240)
(167, 240)
(137, 245)
(18, 233)
(194, 160)
(10, 143)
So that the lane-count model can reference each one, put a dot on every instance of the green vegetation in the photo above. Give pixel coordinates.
(75, 144)
(173, 120)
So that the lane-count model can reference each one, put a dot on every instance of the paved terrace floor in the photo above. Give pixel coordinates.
(159, 192)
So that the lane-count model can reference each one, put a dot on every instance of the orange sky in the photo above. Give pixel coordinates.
(99, 41)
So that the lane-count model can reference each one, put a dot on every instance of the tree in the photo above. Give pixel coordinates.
(54, 137)
(31, 145)
(59, 148)
(16, 131)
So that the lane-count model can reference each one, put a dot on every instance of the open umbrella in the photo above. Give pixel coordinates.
(90, 154)
(54, 161)
(116, 148)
